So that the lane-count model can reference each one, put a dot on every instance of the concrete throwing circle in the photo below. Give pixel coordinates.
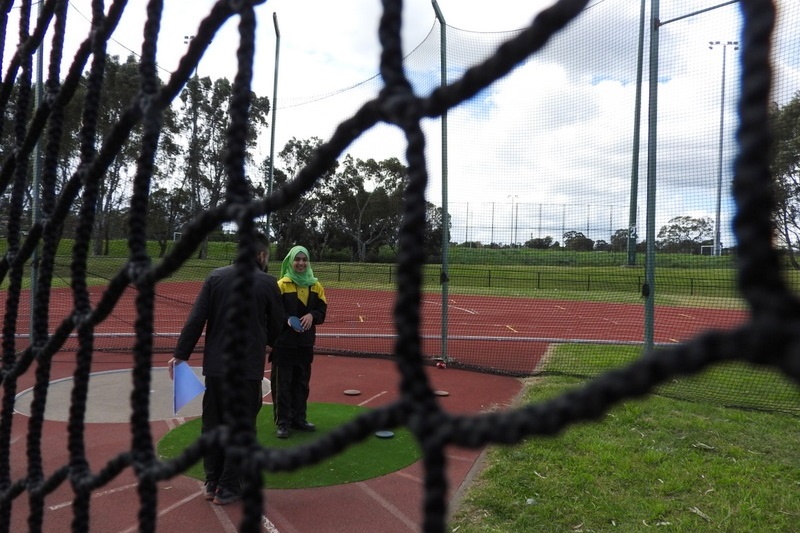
(109, 397)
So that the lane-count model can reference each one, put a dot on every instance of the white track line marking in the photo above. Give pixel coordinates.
(383, 502)
(171, 508)
(451, 306)
(409, 476)
(268, 526)
(94, 496)
(512, 329)
(224, 520)
(370, 399)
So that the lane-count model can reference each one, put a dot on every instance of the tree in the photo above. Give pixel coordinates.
(434, 226)
(302, 221)
(120, 87)
(577, 241)
(785, 170)
(685, 234)
(619, 240)
(204, 117)
(363, 204)
(167, 209)
(602, 246)
(540, 244)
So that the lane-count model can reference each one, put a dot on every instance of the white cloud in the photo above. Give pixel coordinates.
(557, 132)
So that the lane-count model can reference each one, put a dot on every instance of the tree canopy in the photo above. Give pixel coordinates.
(785, 170)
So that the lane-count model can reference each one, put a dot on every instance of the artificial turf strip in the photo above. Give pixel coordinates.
(370, 458)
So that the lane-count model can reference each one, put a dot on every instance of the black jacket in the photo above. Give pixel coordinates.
(265, 320)
(317, 305)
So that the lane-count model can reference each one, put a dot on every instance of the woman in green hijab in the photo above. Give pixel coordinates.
(291, 358)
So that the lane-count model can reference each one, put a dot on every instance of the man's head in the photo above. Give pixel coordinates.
(262, 250)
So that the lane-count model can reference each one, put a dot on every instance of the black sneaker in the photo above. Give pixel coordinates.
(209, 490)
(282, 431)
(225, 496)
(305, 425)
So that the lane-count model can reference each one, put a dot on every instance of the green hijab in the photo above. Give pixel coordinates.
(305, 279)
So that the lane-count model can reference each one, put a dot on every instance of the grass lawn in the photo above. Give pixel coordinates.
(367, 459)
(657, 463)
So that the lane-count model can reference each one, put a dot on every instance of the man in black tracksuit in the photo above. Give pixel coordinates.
(265, 322)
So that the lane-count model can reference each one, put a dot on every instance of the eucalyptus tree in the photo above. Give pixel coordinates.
(685, 234)
(204, 118)
(302, 221)
(363, 204)
(785, 170)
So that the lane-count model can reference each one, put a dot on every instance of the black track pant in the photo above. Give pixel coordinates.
(218, 468)
(290, 389)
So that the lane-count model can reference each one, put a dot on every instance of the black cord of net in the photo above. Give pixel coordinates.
(759, 275)
(80, 473)
(769, 338)
(39, 486)
(15, 277)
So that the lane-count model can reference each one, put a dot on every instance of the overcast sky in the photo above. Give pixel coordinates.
(547, 149)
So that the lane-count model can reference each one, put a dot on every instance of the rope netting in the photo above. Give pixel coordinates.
(767, 339)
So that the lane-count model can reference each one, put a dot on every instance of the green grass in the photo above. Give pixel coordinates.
(731, 384)
(659, 463)
(701, 287)
(370, 458)
(680, 279)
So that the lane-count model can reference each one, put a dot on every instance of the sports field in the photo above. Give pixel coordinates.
(501, 334)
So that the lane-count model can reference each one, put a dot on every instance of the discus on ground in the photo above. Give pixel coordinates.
(352, 392)
(384, 434)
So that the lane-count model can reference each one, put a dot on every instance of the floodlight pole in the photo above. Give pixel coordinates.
(636, 142)
(274, 112)
(711, 45)
(37, 175)
(187, 39)
(513, 220)
(444, 278)
(648, 289)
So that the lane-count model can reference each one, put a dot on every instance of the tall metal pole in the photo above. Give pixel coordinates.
(648, 290)
(636, 142)
(274, 112)
(711, 45)
(194, 195)
(491, 238)
(516, 218)
(37, 171)
(466, 226)
(444, 277)
(513, 219)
